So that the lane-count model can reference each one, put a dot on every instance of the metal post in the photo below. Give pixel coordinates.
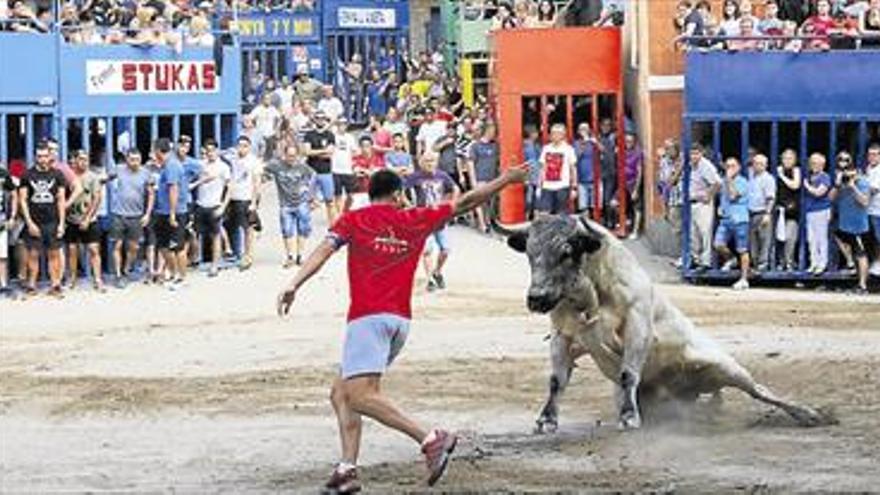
(109, 159)
(863, 142)
(774, 146)
(197, 136)
(744, 143)
(29, 140)
(4, 148)
(217, 129)
(622, 196)
(133, 131)
(175, 127)
(154, 128)
(802, 227)
(686, 196)
(597, 161)
(716, 142)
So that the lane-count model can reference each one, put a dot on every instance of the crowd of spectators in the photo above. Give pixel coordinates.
(792, 25)
(759, 213)
(509, 14)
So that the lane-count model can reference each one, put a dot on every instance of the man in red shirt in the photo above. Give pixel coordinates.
(384, 243)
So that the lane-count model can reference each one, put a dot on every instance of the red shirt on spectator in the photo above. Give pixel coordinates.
(822, 26)
(444, 114)
(385, 245)
(382, 141)
(363, 166)
(17, 168)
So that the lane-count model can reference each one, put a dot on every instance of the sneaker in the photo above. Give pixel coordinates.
(246, 263)
(437, 448)
(342, 482)
(728, 265)
(439, 281)
(741, 284)
(288, 262)
(298, 261)
(120, 283)
(57, 292)
(30, 291)
(875, 269)
(432, 285)
(176, 284)
(860, 291)
(99, 287)
(213, 271)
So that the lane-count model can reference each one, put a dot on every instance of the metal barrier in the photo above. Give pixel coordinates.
(770, 102)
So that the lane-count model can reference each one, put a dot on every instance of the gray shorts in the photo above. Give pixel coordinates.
(372, 343)
(126, 228)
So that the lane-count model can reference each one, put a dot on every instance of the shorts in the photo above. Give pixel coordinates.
(324, 183)
(127, 229)
(737, 232)
(554, 201)
(296, 221)
(439, 239)
(586, 198)
(856, 242)
(208, 220)
(4, 243)
(75, 235)
(168, 237)
(47, 238)
(237, 214)
(874, 220)
(344, 183)
(371, 344)
(150, 232)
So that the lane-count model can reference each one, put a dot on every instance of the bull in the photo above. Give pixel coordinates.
(602, 303)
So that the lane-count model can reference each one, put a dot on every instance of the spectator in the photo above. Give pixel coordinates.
(748, 43)
(295, 182)
(869, 25)
(770, 24)
(433, 187)
(532, 156)
(586, 148)
(42, 201)
(817, 205)
(200, 32)
(81, 225)
(319, 145)
(794, 10)
(132, 189)
(505, 18)
(704, 184)
(344, 182)
(734, 223)
(285, 95)
(559, 178)
(330, 105)
(789, 31)
(692, 21)
(788, 192)
(382, 137)
(244, 197)
(267, 121)
(307, 89)
(445, 152)
(430, 131)
(761, 200)
(483, 167)
(399, 159)
(213, 188)
(669, 184)
(366, 162)
(872, 171)
(745, 11)
(608, 161)
(546, 14)
(171, 216)
(852, 193)
(186, 205)
(820, 25)
(8, 195)
(634, 165)
(730, 16)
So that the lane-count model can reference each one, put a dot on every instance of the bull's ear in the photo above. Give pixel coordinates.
(585, 244)
(518, 241)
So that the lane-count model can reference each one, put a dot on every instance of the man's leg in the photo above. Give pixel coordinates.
(95, 261)
(216, 249)
(365, 397)
(131, 256)
(55, 266)
(350, 423)
(73, 264)
(33, 266)
(117, 259)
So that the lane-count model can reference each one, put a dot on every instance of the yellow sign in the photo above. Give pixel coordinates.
(280, 26)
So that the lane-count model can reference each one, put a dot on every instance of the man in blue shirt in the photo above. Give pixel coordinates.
(762, 197)
(852, 194)
(734, 223)
(169, 220)
(585, 147)
(192, 169)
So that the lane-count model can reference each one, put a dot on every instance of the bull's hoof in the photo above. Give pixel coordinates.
(546, 426)
(630, 421)
(808, 418)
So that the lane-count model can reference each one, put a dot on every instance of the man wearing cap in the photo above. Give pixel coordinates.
(319, 146)
(330, 104)
(306, 88)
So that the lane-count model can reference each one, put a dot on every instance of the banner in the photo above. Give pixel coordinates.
(118, 77)
(365, 18)
(277, 26)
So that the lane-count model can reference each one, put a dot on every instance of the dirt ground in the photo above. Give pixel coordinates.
(207, 391)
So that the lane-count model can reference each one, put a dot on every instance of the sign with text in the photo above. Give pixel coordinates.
(278, 26)
(120, 77)
(366, 18)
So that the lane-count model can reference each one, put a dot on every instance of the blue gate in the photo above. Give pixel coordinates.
(769, 103)
(376, 31)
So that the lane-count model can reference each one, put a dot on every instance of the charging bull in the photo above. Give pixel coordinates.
(602, 303)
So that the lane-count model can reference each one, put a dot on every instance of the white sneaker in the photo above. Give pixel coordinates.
(728, 265)
(875, 268)
(741, 284)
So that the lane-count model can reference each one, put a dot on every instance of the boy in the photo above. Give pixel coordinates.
(559, 177)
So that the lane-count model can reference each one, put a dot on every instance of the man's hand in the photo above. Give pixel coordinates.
(33, 229)
(285, 300)
(84, 226)
(145, 220)
(517, 173)
(765, 220)
(172, 221)
(60, 233)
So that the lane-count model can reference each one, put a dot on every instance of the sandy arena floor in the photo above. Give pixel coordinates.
(207, 391)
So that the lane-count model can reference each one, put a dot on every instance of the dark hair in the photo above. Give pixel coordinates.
(384, 183)
(244, 138)
(209, 142)
(365, 139)
(398, 135)
(552, 13)
(736, 13)
(698, 147)
(163, 145)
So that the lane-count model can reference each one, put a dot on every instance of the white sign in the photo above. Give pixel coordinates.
(353, 17)
(119, 77)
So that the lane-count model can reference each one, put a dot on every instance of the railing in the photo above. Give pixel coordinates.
(792, 43)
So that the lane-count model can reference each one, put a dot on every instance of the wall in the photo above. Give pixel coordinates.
(419, 15)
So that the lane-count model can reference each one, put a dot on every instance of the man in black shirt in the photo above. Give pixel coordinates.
(319, 144)
(42, 199)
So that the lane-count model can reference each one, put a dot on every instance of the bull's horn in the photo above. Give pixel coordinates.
(509, 230)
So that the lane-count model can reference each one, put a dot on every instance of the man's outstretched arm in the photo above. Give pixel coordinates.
(312, 265)
(482, 194)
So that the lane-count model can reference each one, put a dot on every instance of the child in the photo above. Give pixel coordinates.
(558, 175)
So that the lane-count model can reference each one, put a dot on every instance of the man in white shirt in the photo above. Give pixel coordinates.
(344, 181)
(330, 104)
(873, 173)
(431, 130)
(212, 200)
(285, 93)
(267, 120)
(244, 186)
(559, 173)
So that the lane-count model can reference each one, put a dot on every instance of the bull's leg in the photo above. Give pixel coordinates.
(740, 378)
(562, 362)
(637, 338)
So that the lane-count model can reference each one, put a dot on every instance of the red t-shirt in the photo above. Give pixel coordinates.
(382, 139)
(385, 244)
(370, 164)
